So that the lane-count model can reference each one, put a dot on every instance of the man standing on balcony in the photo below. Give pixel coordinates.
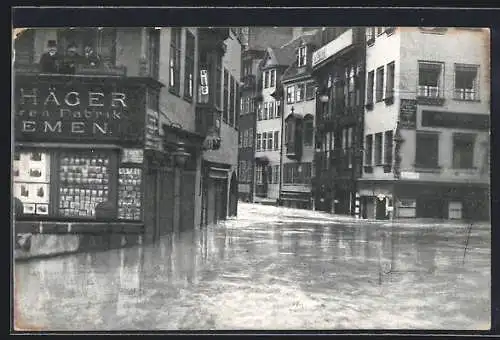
(91, 57)
(50, 60)
(71, 60)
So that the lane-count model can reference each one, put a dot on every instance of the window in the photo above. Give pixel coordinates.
(271, 110)
(369, 87)
(232, 96)
(368, 150)
(299, 93)
(269, 141)
(276, 140)
(308, 131)
(370, 34)
(463, 150)
(175, 60)
(389, 85)
(297, 173)
(380, 30)
(243, 106)
(270, 174)
(290, 93)
(82, 181)
(154, 53)
(258, 174)
(426, 154)
(272, 80)
(250, 137)
(310, 91)
(259, 140)
(302, 56)
(276, 174)
(189, 66)
(430, 79)
(218, 81)
(278, 109)
(378, 149)
(350, 86)
(466, 82)
(380, 84)
(225, 109)
(266, 111)
(241, 139)
(264, 141)
(245, 139)
(32, 182)
(247, 67)
(259, 111)
(265, 79)
(388, 147)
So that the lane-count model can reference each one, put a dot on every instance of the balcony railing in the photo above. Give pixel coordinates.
(102, 70)
(428, 91)
(466, 94)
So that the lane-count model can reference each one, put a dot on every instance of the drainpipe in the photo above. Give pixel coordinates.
(281, 149)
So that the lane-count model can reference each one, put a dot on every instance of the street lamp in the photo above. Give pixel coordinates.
(181, 155)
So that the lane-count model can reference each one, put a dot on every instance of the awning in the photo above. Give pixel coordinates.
(217, 173)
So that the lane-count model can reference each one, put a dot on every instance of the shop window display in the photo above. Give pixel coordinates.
(129, 193)
(84, 183)
(31, 181)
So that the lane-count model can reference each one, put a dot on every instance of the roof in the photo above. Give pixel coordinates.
(309, 38)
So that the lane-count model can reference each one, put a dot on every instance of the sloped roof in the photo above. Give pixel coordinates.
(310, 38)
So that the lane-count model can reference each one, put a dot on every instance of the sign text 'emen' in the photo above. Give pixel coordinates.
(70, 112)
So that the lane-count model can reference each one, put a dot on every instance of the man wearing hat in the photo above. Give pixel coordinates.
(91, 57)
(71, 60)
(49, 61)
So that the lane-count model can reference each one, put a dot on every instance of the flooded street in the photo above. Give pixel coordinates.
(271, 268)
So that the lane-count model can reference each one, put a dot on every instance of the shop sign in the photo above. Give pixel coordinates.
(335, 46)
(203, 89)
(410, 175)
(408, 114)
(152, 131)
(78, 111)
(135, 156)
(457, 120)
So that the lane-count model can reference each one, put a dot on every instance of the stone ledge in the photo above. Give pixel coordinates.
(52, 227)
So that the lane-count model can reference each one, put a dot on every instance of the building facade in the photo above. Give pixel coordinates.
(338, 67)
(217, 116)
(299, 92)
(427, 120)
(257, 42)
(107, 117)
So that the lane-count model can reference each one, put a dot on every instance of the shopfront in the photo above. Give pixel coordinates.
(89, 157)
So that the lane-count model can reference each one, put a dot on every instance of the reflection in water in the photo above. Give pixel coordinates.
(239, 274)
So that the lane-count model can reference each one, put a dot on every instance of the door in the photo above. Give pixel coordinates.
(380, 207)
(150, 205)
(166, 211)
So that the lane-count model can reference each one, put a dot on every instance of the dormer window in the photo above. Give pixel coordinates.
(302, 56)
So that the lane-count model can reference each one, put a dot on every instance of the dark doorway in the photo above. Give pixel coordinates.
(381, 212)
(233, 198)
(430, 207)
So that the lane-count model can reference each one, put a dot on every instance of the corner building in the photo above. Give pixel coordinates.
(426, 124)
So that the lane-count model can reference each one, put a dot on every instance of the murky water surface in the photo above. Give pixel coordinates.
(271, 268)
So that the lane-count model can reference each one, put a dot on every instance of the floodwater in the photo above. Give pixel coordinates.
(269, 269)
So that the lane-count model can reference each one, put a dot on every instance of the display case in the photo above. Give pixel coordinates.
(129, 193)
(31, 173)
(84, 182)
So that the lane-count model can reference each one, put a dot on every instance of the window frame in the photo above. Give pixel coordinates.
(290, 94)
(390, 80)
(426, 90)
(378, 149)
(175, 60)
(424, 152)
(470, 138)
(370, 87)
(369, 140)
(189, 66)
(461, 93)
(302, 56)
(379, 86)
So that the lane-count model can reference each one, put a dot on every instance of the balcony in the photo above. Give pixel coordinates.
(429, 95)
(106, 69)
